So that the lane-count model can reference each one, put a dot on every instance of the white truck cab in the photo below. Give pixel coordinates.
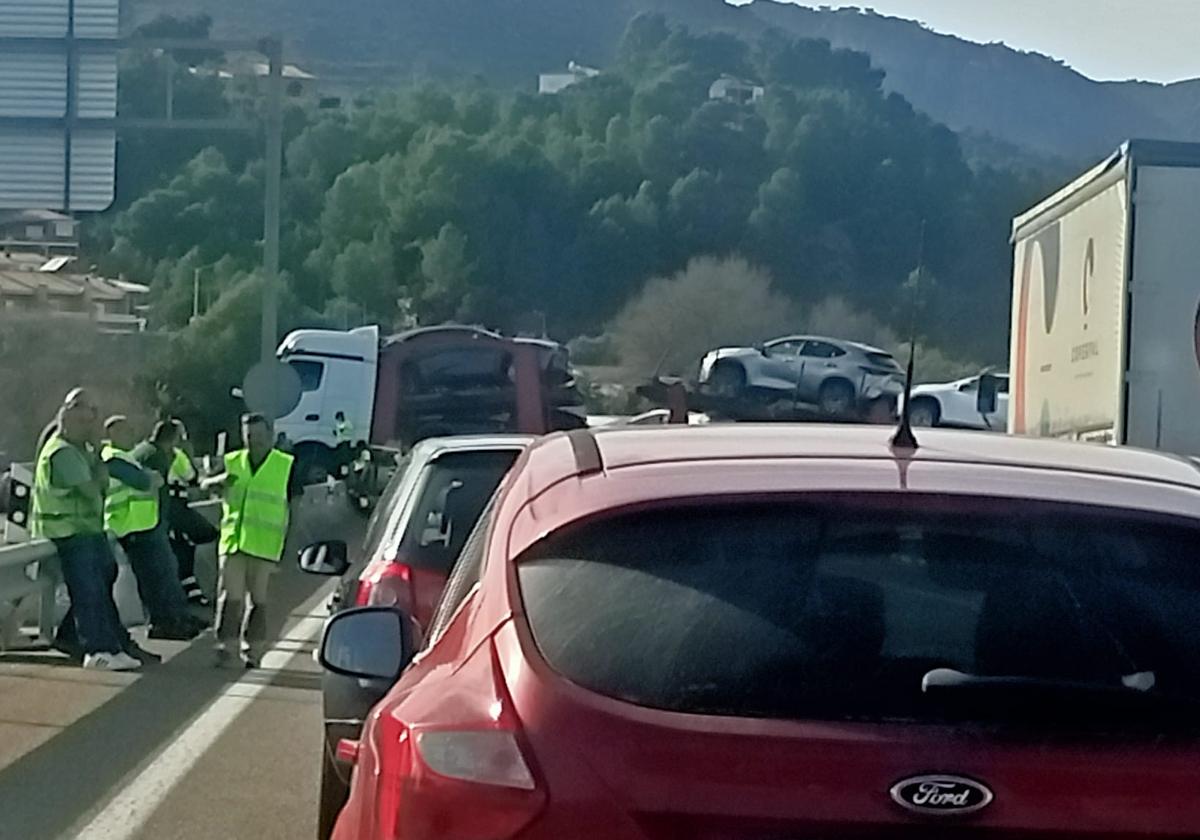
(337, 373)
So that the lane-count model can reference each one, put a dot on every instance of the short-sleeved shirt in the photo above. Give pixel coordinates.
(71, 467)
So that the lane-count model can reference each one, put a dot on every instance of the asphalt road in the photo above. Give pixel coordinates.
(180, 750)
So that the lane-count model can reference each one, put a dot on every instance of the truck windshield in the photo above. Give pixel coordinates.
(839, 607)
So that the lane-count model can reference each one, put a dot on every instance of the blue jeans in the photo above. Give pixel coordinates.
(90, 570)
(157, 572)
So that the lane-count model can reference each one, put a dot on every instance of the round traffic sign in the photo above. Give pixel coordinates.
(271, 389)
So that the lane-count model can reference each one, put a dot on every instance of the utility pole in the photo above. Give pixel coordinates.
(195, 294)
(170, 64)
(273, 49)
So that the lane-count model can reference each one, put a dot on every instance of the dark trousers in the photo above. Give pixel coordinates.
(188, 529)
(154, 566)
(90, 570)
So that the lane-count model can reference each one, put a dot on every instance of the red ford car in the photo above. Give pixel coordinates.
(777, 633)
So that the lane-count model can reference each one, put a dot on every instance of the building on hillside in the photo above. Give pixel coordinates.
(42, 231)
(552, 83)
(733, 89)
(31, 284)
(248, 77)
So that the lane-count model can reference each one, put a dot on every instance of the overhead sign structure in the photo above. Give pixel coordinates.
(58, 103)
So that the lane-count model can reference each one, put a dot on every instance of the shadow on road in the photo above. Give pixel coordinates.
(45, 792)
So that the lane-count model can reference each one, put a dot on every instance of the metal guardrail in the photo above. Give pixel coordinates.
(31, 568)
(22, 576)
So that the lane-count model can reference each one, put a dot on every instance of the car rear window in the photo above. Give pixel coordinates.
(837, 608)
(452, 496)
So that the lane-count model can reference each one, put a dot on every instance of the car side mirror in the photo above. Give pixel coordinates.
(368, 643)
(988, 399)
(762, 348)
(329, 559)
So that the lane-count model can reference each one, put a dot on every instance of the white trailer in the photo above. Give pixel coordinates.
(1106, 304)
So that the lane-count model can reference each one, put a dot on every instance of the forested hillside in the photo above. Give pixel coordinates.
(457, 201)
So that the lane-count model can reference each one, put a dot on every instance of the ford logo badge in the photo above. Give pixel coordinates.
(943, 796)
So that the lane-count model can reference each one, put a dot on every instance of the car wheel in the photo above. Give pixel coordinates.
(836, 397)
(334, 793)
(925, 412)
(728, 380)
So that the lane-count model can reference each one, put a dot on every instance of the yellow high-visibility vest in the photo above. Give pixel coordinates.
(182, 471)
(255, 515)
(57, 513)
(126, 510)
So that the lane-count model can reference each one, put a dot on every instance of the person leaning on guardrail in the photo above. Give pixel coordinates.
(134, 513)
(187, 528)
(256, 488)
(68, 509)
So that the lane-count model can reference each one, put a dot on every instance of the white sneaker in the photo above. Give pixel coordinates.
(119, 661)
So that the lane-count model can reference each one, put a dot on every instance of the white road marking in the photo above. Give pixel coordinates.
(125, 815)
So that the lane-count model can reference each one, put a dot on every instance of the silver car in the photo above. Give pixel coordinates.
(837, 376)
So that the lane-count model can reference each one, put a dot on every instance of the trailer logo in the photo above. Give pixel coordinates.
(1049, 243)
(1089, 273)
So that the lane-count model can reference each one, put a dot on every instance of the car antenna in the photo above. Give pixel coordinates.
(904, 437)
(661, 361)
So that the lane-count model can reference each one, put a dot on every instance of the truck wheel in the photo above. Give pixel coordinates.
(312, 462)
(836, 397)
(728, 380)
(925, 412)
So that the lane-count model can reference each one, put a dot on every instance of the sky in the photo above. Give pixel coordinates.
(1155, 40)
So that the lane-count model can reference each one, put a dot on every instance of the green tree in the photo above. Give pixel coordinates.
(675, 320)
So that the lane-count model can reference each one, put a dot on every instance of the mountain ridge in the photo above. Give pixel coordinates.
(1023, 99)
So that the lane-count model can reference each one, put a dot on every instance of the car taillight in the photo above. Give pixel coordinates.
(488, 757)
(386, 585)
(466, 781)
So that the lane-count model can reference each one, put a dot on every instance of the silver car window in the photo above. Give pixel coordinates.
(821, 350)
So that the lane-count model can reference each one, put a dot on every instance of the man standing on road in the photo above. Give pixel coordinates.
(135, 514)
(257, 486)
(68, 508)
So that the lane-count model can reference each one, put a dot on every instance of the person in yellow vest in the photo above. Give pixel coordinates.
(187, 529)
(343, 430)
(134, 513)
(343, 453)
(257, 487)
(69, 485)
